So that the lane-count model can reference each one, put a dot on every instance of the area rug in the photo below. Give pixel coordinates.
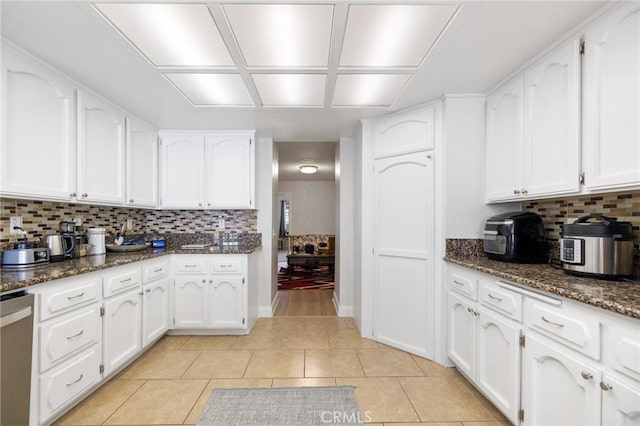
(282, 407)
(320, 278)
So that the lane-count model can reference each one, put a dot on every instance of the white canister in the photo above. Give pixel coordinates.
(96, 237)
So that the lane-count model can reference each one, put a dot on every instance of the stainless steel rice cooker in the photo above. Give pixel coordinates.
(597, 246)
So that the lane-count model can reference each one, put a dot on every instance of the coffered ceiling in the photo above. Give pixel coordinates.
(296, 70)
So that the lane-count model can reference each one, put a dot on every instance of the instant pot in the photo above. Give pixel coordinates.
(597, 246)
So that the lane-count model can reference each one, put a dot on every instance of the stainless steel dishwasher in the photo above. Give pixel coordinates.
(16, 332)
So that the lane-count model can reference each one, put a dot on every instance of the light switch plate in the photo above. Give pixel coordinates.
(13, 222)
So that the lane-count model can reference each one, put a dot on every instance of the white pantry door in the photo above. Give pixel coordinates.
(403, 271)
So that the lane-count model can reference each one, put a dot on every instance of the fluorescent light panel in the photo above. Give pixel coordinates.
(212, 89)
(290, 90)
(368, 89)
(282, 35)
(170, 35)
(392, 35)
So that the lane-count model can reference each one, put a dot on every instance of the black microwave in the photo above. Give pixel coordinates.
(515, 237)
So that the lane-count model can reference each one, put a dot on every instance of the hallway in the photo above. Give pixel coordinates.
(305, 303)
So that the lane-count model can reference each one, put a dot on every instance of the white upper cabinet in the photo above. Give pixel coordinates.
(100, 151)
(405, 133)
(504, 142)
(142, 164)
(229, 171)
(38, 134)
(611, 129)
(182, 171)
(552, 123)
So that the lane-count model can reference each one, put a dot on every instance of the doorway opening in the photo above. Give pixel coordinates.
(306, 229)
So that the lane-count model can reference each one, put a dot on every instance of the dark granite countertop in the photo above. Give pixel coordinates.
(14, 280)
(622, 297)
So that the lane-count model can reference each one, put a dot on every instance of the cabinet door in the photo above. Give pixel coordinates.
(461, 344)
(620, 402)
(191, 303)
(504, 142)
(611, 148)
(229, 171)
(38, 136)
(552, 123)
(100, 151)
(556, 388)
(155, 311)
(121, 329)
(226, 302)
(142, 164)
(498, 363)
(181, 171)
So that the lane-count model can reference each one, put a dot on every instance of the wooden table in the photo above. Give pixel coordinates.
(311, 260)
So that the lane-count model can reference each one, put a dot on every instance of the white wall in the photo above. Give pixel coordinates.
(343, 293)
(357, 229)
(312, 206)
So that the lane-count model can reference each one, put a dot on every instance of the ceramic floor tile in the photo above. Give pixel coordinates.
(219, 364)
(332, 363)
(387, 362)
(96, 409)
(313, 339)
(159, 402)
(207, 343)
(170, 343)
(160, 365)
(258, 340)
(504, 423)
(425, 424)
(196, 411)
(294, 383)
(381, 399)
(349, 338)
(276, 364)
(431, 368)
(444, 399)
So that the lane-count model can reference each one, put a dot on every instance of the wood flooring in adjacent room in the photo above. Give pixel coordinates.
(305, 303)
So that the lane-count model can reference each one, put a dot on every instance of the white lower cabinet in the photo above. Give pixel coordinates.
(122, 338)
(226, 302)
(620, 402)
(190, 302)
(461, 345)
(155, 310)
(557, 389)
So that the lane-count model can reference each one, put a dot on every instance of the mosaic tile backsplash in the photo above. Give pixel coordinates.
(42, 217)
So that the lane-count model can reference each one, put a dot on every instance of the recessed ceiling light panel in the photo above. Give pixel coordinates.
(170, 35)
(282, 35)
(212, 89)
(392, 35)
(291, 90)
(364, 90)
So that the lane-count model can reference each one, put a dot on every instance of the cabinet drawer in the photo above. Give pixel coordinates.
(463, 284)
(68, 334)
(121, 280)
(155, 270)
(191, 266)
(62, 384)
(621, 348)
(570, 326)
(501, 300)
(65, 298)
(227, 264)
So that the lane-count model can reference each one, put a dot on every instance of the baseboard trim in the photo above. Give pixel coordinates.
(268, 311)
(341, 310)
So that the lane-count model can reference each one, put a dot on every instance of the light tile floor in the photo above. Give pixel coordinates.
(171, 383)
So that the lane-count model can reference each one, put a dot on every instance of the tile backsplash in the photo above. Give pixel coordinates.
(42, 217)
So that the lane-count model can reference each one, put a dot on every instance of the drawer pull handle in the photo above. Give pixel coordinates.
(76, 335)
(551, 322)
(125, 280)
(190, 266)
(158, 270)
(75, 297)
(605, 386)
(586, 375)
(458, 282)
(226, 266)
(469, 310)
(148, 290)
(495, 298)
(79, 378)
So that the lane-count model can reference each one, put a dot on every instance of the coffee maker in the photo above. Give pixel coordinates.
(68, 232)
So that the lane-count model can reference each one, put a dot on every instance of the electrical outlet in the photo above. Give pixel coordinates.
(129, 224)
(77, 221)
(220, 223)
(13, 222)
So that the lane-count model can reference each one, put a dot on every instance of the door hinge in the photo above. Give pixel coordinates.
(250, 141)
(581, 48)
(521, 415)
(242, 320)
(160, 140)
(242, 280)
(102, 312)
(174, 320)
(101, 369)
(522, 341)
(581, 178)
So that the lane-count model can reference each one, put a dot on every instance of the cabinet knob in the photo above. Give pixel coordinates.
(605, 386)
(210, 281)
(209, 204)
(586, 375)
(516, 192)
(428, 155)
(469, 310)
(73, 194)
(85, 195)
(200, 204)
(131, 200)
(204, 281)
(525, 192)
(148, 290)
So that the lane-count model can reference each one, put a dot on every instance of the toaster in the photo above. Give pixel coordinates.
(516, 237)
